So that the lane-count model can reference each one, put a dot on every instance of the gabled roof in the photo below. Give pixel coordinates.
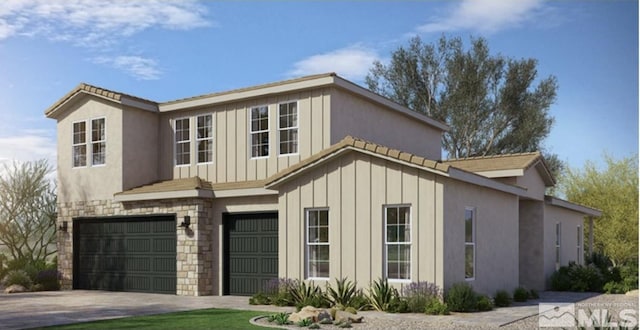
(86, 89)
(355, 144)
(509, 165)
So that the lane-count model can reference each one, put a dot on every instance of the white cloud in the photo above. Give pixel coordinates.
(96, 23)
(28, 146)
(351, 62)
(139, 67)
(485, 16)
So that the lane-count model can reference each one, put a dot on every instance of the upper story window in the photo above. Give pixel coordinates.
(398, 242)
(79, 145)
(89, 143)
(288, 128)
(204, 138)
(98, 141)
(469, 243)
(259, 123)
(318, 243)
(183, 141)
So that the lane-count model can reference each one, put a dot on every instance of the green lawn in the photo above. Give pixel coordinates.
(198, 319)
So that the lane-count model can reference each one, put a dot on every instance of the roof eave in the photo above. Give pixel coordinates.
(586, 210)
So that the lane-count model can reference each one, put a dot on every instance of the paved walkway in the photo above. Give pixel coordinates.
(38, 309)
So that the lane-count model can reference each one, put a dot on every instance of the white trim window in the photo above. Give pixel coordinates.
(98, 141)
(183, 141)
(579, 245)
(259, 128)
(558, 242)
(288, 128)
(469, 243)
(398, 242)
(318, 243)
(79, 144)
(204, 138)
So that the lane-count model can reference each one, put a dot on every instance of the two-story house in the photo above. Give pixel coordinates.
(313, 178)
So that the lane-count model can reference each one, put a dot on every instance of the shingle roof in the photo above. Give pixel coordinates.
(496, 163)
(356, 143)
(193, 183)
(97, 91)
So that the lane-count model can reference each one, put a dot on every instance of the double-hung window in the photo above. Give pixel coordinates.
(259, 123)
(183, 141)
(558, 241)
(398, 242)
(318, 243)
(288, 128)
(98, 141)
(204, 138)
(79, 145)
(469, 243)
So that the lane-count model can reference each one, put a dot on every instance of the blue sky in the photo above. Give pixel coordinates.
(165, 50)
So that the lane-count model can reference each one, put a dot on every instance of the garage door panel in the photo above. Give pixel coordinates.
(125, 254)
(251, 252)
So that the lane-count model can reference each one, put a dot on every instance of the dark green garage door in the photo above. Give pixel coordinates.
(125, 254)
(251, 252)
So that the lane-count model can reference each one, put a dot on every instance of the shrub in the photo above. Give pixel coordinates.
(484, 303)
(279, 318)
(533, 294)
(560, 280)
(520, 294)
(259, 299)
(417, 294)
(576, 277)
(344, 293)
(398, 305)
(304, 323)
(18, 277)
(48, 280)
(502, 299)
(436, 307)
(308, 295)
(381, 295)
(360, 301)
(278, 291)
(461, 298)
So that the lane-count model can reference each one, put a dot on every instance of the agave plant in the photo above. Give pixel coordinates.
(381, 295)
(311, 294)
(343, 294)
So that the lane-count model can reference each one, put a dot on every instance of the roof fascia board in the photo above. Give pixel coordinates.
(244, 192)
(53, 112)
(345, 84)
(137, 104)
(195, 193)
(501, 173)
(479, 180)
(245, 94)
(297, 171)
(572, 206)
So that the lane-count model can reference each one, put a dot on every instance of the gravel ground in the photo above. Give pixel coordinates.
(614, 304)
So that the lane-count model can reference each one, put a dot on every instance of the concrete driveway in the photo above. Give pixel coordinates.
(39, 309)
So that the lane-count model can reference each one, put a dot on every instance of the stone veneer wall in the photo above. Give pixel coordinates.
(194, 251)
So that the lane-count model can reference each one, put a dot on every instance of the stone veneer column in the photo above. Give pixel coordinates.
(194, 255)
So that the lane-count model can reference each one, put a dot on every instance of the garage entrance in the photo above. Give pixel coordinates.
(250, 252)
(125, 254)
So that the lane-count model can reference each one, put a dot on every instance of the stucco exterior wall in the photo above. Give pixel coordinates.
(355, 188)
(194, 260)
(534, 184)
(139, 148)
(232, 156)
(233, 205)
(531, 244)
(496, 230)
(90, 182)
(569, 221)
(359, 117)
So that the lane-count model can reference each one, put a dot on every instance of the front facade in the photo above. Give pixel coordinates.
(218, 194)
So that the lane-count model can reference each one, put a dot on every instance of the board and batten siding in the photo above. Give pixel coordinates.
(232, 160)
(355, 187)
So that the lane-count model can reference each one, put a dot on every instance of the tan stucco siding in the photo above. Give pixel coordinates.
(496, 236)
(359, 117)
(232, 161)
(569, 221)
(90, 182)
(533, 182)
(139, 148)
(233, 205)
(355, 188)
